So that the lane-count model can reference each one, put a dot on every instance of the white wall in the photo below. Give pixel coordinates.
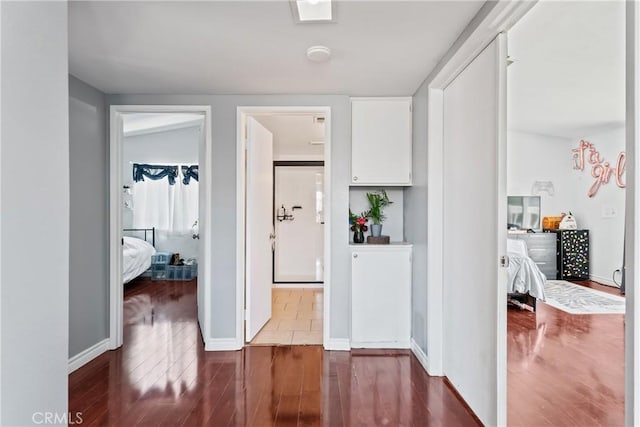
(172, 147)
(34, 224)
(606, 234)
(534, 157)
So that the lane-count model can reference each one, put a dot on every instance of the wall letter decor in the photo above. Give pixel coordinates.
(600, 169)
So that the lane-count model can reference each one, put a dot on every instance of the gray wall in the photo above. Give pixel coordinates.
(88, 255)
(223, 260)
(34, 225)
(415, 219)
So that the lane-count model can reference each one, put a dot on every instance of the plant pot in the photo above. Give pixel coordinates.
(358, 236)
(376, 230)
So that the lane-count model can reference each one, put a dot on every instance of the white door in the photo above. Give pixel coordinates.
(299, 248)
(475, 233)
(259, 226)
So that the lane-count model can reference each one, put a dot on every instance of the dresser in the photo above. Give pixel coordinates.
(542, 249)
(572, 254)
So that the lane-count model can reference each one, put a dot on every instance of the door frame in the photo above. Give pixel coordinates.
(241, 173)
(291, 163)
(492, 20)
(116, 287)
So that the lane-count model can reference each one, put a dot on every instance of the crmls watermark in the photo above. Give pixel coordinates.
(56, 418)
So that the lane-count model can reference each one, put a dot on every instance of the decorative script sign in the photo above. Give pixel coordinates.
(601, 171)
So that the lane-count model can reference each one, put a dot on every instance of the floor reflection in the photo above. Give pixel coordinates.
(163, 376)
(565, 368)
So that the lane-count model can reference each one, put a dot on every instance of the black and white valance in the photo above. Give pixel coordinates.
(154, 172)
(189, 172)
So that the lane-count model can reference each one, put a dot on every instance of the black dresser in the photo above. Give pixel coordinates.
(572, 254)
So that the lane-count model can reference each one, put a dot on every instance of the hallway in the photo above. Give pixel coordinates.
(163, 376)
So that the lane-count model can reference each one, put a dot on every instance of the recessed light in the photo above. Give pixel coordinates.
(305, 11)
(318, 53)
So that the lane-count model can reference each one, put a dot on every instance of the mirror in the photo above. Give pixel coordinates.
(523, 212)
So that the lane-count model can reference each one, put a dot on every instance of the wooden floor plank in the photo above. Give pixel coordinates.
(563, 369)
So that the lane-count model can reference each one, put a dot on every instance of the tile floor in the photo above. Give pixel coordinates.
(296, 318)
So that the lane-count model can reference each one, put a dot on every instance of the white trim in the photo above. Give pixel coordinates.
(632, 218)
(603, 281)
(242, 113)
(493, 19)
(338, 344)
(221, 344)
(298, 285)
(381, 344)
(115, 213)
(420, 355)
(88, 355)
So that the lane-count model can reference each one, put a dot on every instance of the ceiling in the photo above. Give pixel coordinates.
(293, 133)
(242, 47)
(568, 78)
(141, 123)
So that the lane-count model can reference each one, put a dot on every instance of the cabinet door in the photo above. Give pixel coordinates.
(381, 298)
(381, 141)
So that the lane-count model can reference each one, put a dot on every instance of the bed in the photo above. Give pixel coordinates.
(524, 278)
(137, 252)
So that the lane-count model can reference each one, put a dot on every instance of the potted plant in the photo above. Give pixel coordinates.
(358, 226)
(378, 200)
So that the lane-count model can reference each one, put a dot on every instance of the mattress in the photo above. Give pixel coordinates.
(136, 257)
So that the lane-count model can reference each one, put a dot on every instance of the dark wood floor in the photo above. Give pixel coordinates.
(163, 376)
(565, 369)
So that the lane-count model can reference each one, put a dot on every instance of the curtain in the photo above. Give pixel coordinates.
(189, 172)
(168, 206)
(154, 172)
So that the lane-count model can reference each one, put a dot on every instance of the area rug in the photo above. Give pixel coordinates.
(576, 299)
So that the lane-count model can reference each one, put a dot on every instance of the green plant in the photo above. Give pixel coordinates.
(378, 200)
(358, 222)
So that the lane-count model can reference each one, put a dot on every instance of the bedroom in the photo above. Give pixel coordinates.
(565, 154)
(159, 199)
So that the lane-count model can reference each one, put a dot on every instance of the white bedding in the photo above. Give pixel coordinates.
(136, 257)
(523, 275)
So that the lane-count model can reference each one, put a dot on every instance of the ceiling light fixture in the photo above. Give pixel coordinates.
(318, 53)
(309, 11)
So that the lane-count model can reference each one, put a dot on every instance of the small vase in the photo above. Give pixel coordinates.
(376, 230)
(358, 236)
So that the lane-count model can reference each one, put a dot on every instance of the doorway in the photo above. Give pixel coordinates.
(283, 270)
(159, 197)
(555, 150)
(298, 194)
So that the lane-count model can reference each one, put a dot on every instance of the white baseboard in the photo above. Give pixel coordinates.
(221, 344)
(382, 344)
(420, 355)
(88, 355)
(298, 285)
(338, 344)
(603, 280)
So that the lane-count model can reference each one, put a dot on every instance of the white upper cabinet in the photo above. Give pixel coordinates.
(381, 141)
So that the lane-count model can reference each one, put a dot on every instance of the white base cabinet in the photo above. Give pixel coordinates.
(381, 296)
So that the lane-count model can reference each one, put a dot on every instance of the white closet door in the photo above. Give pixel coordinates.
(475, 233)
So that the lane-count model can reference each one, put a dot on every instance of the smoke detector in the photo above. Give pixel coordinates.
(318, 53)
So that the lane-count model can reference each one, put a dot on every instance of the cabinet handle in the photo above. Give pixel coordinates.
(355, 178)
(355, 255)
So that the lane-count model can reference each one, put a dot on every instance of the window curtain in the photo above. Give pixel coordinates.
(164, 202)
